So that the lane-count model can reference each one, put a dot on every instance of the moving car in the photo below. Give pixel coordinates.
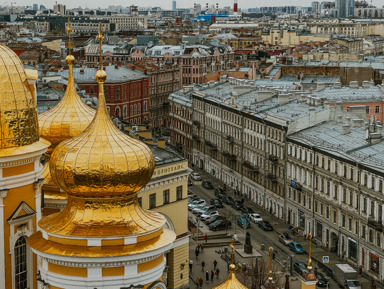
(285, 239)
(255, 218)
(209, 214)
(265, 225)
(227, 200)
(237, 205)
(195, 177)
(217, 203)
(207, 185)
(300, 267)
(196, 203)
(219, 193)
(247, 210)
(243, 222)
(296, 247)
(220, 225)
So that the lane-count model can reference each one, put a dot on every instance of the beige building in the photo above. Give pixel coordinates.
(90, 27)
(126, 22)
(291, 38)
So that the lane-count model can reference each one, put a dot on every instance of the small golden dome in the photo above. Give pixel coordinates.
(68, 118)
(18, 114)
(231, 282)
(101, 76)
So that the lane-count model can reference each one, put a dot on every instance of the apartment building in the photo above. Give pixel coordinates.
(335, 188)
(90, 27)
(126, 22)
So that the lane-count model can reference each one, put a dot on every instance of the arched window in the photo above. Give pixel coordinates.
(135, 108)
(139, 107)
(145, 106)
(21, 268)
(117, 92)
(130, 110)
(125, 111)
(117, 111)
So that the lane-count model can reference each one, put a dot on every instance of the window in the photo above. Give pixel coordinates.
(363, 232)
(343, 221)
(357, 228)
(166, 197)
(140, 200)
(372, 208)
(344, 199)
(21, 271)
(335, 193)
(327, 212)
(179, 193)
(152, 201)
(328, 188)
(370, 236)
(351, 174)
(351, 198)
(117, 92)
(334, 216)
(367, 109)
(315, 206)
(365, 205)
(349, 224)
(321, 209)
(377, 109)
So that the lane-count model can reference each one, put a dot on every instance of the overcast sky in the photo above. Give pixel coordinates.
(167, 4)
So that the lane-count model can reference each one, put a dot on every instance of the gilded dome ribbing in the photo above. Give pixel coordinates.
(69, 117)
(18, 113)
(231, 282)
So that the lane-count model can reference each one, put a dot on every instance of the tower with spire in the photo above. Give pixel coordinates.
(102, 238)
(66, 120)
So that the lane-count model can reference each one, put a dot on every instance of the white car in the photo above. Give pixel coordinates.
(209, 214)
(255, 218)
(203, 210)
(195, 204)
(195, 177)
(197, 209)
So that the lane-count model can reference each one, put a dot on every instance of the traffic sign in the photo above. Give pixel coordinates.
(325, 259)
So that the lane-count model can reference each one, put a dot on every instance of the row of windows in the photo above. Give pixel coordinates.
(166, 197)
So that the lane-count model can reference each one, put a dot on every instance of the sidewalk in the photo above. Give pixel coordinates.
(280, 227)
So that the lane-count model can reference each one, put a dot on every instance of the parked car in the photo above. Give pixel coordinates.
(243, 222)
(195, 177)
(220, 225)
(217, 203)
(247, 210)
(210, 220)
(285, 239)
(198, 209)
(207, 185)
(219, 193)
(296, 247)
(300, 267)
(209, 214)
(237, 205)
(202, 210)
(196, 203)
(192, 198)
(227, 200)
(255, 218)
(265, 225)
(321, 280)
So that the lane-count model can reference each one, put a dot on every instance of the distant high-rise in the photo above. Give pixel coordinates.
(174, 5)
(315, 6)
(35, 7)
(59, 9)
(344, 8)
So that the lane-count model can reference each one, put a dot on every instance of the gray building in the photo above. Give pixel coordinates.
(344, 8)
(174, 5)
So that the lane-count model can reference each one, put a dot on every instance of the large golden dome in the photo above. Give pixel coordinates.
(68, 118)
(102, 169)
(231, 282)
(18, 114)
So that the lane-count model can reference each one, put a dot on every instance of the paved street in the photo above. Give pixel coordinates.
(258, 237)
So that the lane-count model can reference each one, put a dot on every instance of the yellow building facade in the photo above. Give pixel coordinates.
(20, 172)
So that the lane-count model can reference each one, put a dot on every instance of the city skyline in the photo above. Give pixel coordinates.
(167, 4)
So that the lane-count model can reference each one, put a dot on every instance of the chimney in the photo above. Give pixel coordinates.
(379, 129)
(187, 89)
(207, 8)
(235, 6)
(81, 71)
(320, 86)
(348, 120)
(375, 137)
(339, 118)
(337, 84)
(354, 84)
(346, 129)
(367, 84)
(283, 99)
(116, 67)
(211, 83)
(357, 122)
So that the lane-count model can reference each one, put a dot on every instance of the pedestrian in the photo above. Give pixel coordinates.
(197, 282)
(190, 265)
(206, 238)
(217, 273)
(207, 276)
(212, 275)
(202, 265)
(197, 253)
(201, 282)
(198, 247)
(373, 285)
(214, 264)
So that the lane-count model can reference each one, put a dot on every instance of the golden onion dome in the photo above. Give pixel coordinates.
(18, 113)
(69, 117)
(231, 282)
(102, 169)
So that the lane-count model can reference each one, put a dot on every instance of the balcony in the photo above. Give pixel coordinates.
(296, 185)
(195, 137)
(250, 166)
(230, 138)
(196, 123)
(273, 159)
(232, 157)
(372, 223)
(211, 145)
(271, 177)
(226, 154)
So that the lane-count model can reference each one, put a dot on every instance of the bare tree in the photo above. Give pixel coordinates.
(255, 274)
